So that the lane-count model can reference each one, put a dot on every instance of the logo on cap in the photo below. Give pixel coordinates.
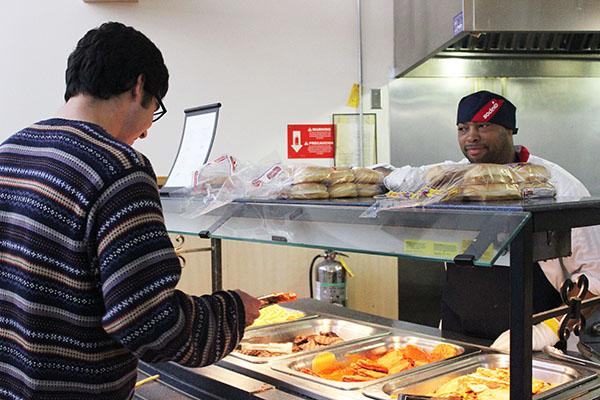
(488, 111)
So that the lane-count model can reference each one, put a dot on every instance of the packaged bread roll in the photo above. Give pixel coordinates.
(535, 190)
(531, 172)
(368, 189)
(440, 176)
(341, 175)
(367, 175)
(478, 174)
(491, 191)
(307, 191)
(342, 190)
(310, 174)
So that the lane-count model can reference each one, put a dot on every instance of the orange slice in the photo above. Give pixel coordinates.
(322, 361)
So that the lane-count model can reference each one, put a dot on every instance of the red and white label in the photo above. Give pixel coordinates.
(488, 111)
(269, 175)
(311, 141)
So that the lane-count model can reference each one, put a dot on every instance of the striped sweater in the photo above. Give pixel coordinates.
(88, 272)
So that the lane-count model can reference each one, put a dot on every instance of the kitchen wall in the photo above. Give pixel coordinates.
(269, 62)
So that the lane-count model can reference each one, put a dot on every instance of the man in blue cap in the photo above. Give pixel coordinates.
(486, 123)
(476, 302)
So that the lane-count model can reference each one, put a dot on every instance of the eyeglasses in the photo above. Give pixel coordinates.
(160, 111)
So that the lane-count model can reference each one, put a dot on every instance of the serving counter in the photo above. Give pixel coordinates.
(236, 378)
(475, 234)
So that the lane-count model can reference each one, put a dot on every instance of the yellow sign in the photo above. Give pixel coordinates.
(354, 98)
(443, 250)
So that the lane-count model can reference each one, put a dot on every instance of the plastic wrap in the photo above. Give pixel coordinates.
(368, 190)
(342, 190)
(310, 174)
(481, 174)
(241, 180)
(406, 178)
(306, 191)
(465, 182)
(489, 192)
(384, 168)
(339, 175)
(531, 172)
(214, 173)
(367, 175)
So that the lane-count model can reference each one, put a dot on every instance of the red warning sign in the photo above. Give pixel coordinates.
(311, 141)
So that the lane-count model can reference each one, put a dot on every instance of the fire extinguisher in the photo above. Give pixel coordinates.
(329, 278)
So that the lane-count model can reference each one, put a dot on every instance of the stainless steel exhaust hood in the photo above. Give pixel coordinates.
(496, 31)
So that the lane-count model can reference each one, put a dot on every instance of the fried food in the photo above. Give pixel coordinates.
(378, 363)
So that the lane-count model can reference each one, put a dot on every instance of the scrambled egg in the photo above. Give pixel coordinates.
(275, 314)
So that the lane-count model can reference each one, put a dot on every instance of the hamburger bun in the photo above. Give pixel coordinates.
(439, 176)
(479, 174)
(367, 175)
(310, 174)
(342, 190)
(368, 190)
(342, 175)
(491, 191)
(306, 191)
(531, 172)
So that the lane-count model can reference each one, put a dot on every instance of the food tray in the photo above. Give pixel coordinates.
(429, 381)
(305, 317)
(349, 331)
(291, 365)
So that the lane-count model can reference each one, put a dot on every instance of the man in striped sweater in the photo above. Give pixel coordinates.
(87, 270)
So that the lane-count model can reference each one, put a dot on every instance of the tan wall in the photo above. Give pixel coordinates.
(263, 268)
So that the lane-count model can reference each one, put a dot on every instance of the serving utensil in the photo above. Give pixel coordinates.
(277, 297)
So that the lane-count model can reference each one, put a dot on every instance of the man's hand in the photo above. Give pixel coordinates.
(542, 335)
(406, 178)
(251, 306)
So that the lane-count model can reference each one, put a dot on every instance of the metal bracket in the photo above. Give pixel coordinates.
(465, 260)
(551, 244)
(573, 321)
(180, 241)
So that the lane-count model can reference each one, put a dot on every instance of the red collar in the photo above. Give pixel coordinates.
(522, 153)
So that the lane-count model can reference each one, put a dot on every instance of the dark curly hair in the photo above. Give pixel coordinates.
(108, 60)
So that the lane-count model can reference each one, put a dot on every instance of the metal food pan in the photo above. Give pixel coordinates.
(428, 382)
(306, 316)
(349, 331)
(291, 365)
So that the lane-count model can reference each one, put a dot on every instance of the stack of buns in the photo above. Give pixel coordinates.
(368, 181)
(485, 182)
(307, 183)
(340, 183)
(314, 182)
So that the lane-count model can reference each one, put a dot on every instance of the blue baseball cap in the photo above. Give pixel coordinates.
(484, 106)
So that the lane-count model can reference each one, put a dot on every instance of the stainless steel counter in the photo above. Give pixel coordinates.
(235, 378)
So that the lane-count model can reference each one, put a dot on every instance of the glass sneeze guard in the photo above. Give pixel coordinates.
(429, 234)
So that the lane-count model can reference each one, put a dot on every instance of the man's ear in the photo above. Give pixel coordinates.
(138, 89)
